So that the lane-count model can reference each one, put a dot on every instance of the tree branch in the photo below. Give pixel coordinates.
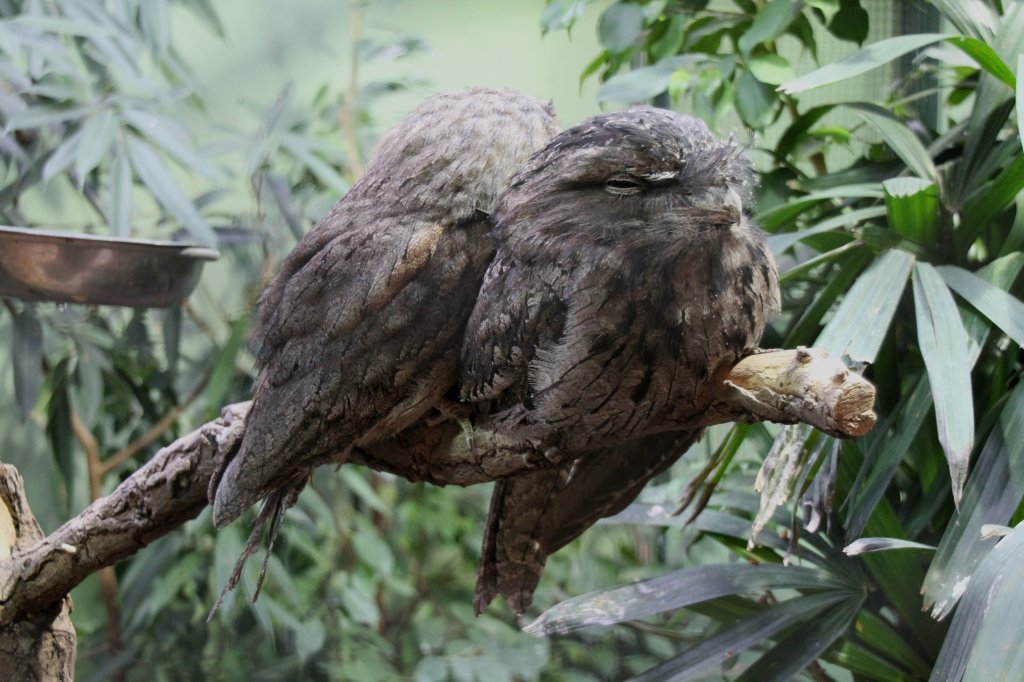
(40, 643)
(166, 492)
(784, 386)
(456, 448)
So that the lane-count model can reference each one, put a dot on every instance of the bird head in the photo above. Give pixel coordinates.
(643, 175)
(420, 164)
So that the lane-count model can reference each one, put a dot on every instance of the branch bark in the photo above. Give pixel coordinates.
(455, 448)
(166, 492)
(40, 643)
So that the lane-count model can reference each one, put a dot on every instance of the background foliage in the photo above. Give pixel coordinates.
(895, 214)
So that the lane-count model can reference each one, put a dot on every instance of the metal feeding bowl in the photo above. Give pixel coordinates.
(38, 265)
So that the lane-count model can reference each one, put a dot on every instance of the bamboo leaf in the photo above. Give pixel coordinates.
(805, 329)
(676, 590)
(973, 17)
(860, 324)
(798, 129)
(993, 198)
(286, 204)
(121, 196)
(862, 61)
(171, 332)
(913, 208)
(158, 179)
(994, 530)
(648, 514)
(879, 634)
(992, 106)
(707, 521)
(702, 658)
(155, 24)
(1001, 308)
(866, 545)
(943, 341)
(62, 25)
(983, 637)
(803, 644)
(173, 139)
(1020, 102)
(776, 217)
(898, 575)
(986, 58)
(39, 116)
(223, 374)
(887, 455)
(990, 657)
(865, 663)
(899, 137)
(62, 157)
(778, 243)
(981, 151)
(27, 358)
(97, 136)
(356, 482)
(317, 166)
(991, 496)
(58, 422)
(88, 390)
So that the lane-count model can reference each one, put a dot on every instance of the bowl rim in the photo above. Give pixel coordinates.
(185, 249)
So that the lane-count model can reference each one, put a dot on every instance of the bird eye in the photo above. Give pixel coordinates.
(623, 184)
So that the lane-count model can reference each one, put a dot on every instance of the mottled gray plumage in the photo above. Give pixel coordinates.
(627, 273)
(360, 331)
(622, 273)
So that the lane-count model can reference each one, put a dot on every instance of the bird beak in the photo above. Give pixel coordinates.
(723, 206)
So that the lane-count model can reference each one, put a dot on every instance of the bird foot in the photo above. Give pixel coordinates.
(450, 411)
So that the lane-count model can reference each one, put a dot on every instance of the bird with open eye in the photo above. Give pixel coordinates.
(627, 274)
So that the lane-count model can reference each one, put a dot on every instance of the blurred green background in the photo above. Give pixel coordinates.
(468, 43)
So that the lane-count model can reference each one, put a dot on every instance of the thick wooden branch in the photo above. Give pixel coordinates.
(166, 492)
(787, 386)
(784, 386)
(40, 643)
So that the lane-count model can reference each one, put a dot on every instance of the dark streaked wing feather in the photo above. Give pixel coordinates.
(353, 355)
(525, 313)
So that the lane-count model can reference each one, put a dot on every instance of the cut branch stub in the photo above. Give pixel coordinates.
(802, 385)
